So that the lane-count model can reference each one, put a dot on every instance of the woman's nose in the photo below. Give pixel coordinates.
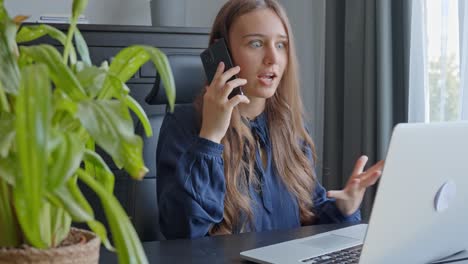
(271, 55)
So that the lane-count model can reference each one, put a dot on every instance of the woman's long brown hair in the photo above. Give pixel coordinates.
(288, 135)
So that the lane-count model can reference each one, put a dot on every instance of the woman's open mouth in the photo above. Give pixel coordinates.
(267, 79)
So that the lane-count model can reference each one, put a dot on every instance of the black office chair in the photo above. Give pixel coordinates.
(189, 78)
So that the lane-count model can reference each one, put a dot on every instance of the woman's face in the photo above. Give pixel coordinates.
(259, 45)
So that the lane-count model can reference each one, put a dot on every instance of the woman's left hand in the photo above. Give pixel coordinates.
(349, 199)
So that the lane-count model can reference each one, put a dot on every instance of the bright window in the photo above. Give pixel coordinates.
(443, 60)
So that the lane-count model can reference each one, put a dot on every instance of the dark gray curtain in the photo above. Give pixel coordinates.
(366, 84)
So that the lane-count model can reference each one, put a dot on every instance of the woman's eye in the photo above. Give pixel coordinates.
(255, 44)
(281, 45)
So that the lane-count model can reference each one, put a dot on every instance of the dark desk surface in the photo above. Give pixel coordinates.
(218, 249)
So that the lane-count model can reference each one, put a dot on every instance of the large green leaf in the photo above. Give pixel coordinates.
(70, 198)
(24, 61)
(127, 62)
(9, 71)
(30, 33)
(4, 104)
(3, 13)
(140, 113)
(102, 174)
(33, 117)
(61, 75)
(8, 31)
(60, 223)
(62, 103)
(8, 169)
(44, 223)
(165, 72)
(100, 230)
(54, 224)
(80, 201)
(91, 79)
(79, 211)
(127, 243)
(64, 111)
(65, 158)
(10, 234)
(110, 124)
(7, 133)
(113, 88)
(82, 47)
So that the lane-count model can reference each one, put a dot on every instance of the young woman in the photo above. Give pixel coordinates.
(247, 163)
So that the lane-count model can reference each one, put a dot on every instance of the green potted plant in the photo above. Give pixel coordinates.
(54, 110)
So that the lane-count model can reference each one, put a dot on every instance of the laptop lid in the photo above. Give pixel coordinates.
(420, 209)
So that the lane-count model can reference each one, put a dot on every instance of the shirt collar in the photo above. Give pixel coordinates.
(259, 128)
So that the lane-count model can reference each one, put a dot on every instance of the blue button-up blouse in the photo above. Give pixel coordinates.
(191, 183)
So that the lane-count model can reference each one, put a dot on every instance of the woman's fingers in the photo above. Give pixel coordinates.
(228, 74)
(217, 109)
(370, 179)
(354, 186)
(370, 176)
(219, 72)
(360, 164)
(377, 166)
(233, 102)
(231, 85)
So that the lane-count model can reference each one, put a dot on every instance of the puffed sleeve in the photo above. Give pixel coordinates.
(190, 178)
(325, 208)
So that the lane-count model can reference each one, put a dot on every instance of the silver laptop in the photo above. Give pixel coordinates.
(420, 212)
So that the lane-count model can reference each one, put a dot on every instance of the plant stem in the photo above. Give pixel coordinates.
(68, 42)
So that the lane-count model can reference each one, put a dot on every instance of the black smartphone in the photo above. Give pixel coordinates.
(212, 56)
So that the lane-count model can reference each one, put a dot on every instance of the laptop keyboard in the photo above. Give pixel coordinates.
(345, 256)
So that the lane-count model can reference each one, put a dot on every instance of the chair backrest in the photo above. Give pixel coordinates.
(189, 78)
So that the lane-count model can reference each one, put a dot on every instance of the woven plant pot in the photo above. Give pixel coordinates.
(80, 247)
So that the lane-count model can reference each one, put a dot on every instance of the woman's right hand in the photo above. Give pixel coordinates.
(217, 108)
